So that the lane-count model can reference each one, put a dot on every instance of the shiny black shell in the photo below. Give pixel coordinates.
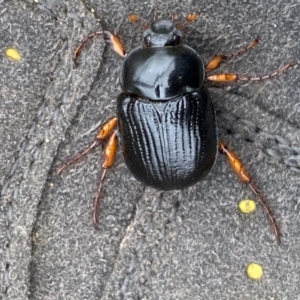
(168, 144)
(161, 73)
(166, 119)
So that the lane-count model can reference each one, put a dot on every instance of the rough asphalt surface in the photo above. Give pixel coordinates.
(150, 245)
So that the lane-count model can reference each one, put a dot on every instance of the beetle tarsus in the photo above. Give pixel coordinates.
(267, 210)
(96, 201)
(273, 74)
(76, 158)
(91, 35)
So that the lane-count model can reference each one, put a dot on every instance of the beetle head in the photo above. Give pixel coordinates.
(161, 33)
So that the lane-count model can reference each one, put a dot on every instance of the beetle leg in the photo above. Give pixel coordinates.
(190, 17)
(107, 130)
(75, 159)
(109, 37)
(172, 16)
(230, 77)
(135, 19)
(104, 131)
(217, 59)
(109, 155)
(239, 169)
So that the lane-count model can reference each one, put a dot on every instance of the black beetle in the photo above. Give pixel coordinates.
(165, 119)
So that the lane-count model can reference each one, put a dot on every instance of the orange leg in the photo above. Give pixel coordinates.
(217, 59)
(229, 77)
(238, 168)
(190, 17)
(104, 131)
(107, 131)
(134, 18)
(109, 155)
(109, 37)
